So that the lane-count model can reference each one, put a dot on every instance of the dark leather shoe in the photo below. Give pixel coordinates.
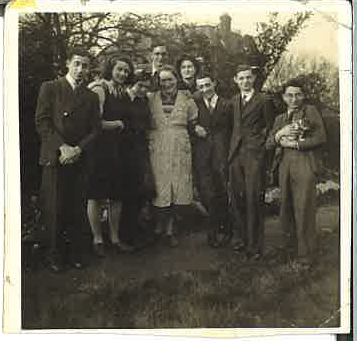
(122, 247)
(211, 239)
(255, 256)
(54, 264)
(99, 250)
(77, 264)
(173, 241)
(304, 262)
(239, 246)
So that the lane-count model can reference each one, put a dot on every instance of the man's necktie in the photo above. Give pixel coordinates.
(291, 115)
(244, 99)
(155, 81)
(119, 91)
(76, 85)
(210, 106)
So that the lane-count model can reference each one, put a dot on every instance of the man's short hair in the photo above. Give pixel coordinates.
(157, 43)
(141, 75)
(243, 67)
(169, 68)
(205, 74)
(294, 83)
(77, 51)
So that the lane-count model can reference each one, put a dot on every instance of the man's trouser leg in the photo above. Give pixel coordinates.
(254, 171)
(237, 198)
(71, 181)
(303, 182)
(287, 219)
(49, 203)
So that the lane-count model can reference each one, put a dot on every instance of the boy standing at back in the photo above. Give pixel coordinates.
(296, 135)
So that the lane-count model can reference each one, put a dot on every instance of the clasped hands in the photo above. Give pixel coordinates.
(287, 136)
(200, 131)
(69, 154)
(118, 124)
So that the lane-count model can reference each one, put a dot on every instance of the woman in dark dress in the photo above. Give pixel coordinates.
(140, 181)
(107, 171)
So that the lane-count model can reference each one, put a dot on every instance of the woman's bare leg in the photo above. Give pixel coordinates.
(93, 212)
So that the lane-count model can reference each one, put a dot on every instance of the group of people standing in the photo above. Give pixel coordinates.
(139, 139)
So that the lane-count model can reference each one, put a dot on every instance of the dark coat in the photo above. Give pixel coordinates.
(154, 82)
(314, 138)
(219, 128)
(210, 157)
(247, 167)
(251, 123)
(64, 116)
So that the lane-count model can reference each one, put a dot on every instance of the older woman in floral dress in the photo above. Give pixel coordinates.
(174, 115)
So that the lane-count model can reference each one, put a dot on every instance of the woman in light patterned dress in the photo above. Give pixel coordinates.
(174, 115)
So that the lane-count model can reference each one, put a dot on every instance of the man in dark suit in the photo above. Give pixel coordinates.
(296, 135)
(67, 120)
(211, 143)
(253, 118)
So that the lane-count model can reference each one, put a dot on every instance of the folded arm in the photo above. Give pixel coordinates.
(318, 134)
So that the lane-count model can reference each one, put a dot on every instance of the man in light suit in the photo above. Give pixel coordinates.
(298, 166)
(67, 120)
(210, 150)
(253, 116)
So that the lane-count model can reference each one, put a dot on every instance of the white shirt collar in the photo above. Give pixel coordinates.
(131, 94)
(212, 102)
(154, 69)
(71, 81)
(247, 95)
(293, 112)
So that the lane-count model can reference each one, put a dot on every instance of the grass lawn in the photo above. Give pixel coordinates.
(192, 286)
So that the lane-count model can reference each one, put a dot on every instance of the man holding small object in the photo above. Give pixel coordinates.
(295, 136)
(67, 120)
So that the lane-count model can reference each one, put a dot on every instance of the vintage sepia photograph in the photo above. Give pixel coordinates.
(180, 167)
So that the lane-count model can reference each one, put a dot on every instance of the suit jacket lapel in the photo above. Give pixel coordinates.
(203, 111)
(216, 112)
(236, 133)
(237, 109)
(251, 104)
(79, 97)
(68, 94)
(74, 98)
